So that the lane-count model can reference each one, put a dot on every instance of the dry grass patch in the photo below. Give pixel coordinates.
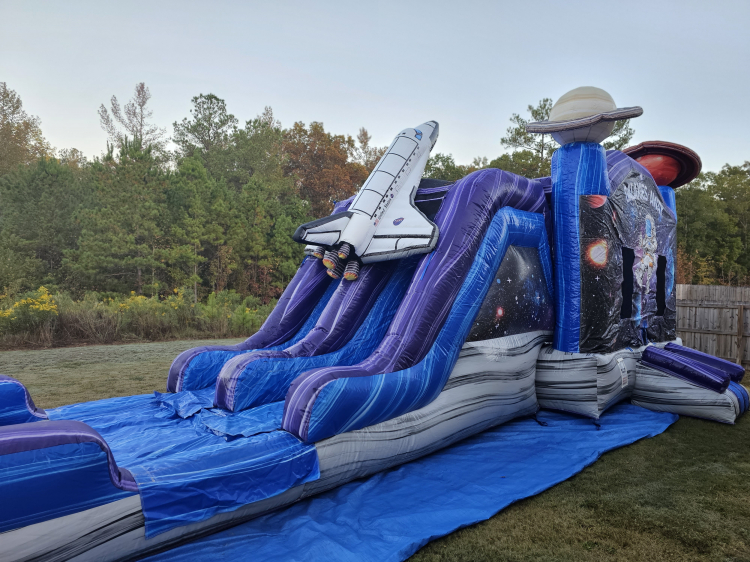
(56, 377)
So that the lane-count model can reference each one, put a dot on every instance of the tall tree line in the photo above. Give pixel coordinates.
(713, 228)
(217, 211)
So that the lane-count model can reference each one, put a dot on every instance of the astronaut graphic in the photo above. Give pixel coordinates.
(645, 269)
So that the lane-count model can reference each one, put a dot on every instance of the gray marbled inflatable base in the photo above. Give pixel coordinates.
(661, 392)
(586, 383)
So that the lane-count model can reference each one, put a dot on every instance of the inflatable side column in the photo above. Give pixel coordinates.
(669, 198)
(578, 169)
(579, 121)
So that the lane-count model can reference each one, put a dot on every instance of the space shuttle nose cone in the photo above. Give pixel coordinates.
(434, 129)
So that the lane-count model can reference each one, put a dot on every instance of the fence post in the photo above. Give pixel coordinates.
(740, 336)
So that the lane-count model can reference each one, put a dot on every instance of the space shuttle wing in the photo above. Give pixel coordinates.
(403, 231)
(323, 232)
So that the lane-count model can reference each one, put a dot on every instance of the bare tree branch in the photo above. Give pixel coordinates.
(132, 120)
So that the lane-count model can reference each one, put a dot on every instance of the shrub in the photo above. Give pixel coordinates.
(249, 316)
(88, 320)
(154, 318)
(39, 318)
(33, 314)
(215, 316)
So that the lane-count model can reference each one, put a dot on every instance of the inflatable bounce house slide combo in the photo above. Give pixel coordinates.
(424, 312)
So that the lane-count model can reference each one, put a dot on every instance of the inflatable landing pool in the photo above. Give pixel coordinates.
(397, 337)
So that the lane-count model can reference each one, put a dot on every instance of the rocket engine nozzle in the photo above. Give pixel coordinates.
(338, 271)
(345, 250)
(351, 273)
(331, 259)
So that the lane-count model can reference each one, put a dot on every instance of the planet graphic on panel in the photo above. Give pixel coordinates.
(597, 253)
(664, 169)
(596, 201)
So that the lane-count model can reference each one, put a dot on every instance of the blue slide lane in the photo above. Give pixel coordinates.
(349, 403)
(267, 380)
(264, 380)
(392, 514)
(202, 370)
(294, 315)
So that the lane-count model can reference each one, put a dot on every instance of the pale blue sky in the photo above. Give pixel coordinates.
(387, 65)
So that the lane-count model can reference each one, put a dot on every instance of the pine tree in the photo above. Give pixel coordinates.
(122, 236)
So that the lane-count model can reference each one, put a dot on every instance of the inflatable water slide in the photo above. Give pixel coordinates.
(424, 312)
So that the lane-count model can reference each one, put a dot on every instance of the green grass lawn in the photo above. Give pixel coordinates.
(683, 495)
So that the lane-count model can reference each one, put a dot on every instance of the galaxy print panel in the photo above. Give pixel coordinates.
(636, 222)
(645, 223)
(601, 275)
(518, 301)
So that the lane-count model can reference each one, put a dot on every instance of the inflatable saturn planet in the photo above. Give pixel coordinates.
(586, 114)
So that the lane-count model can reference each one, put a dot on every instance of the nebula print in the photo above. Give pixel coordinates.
(518, 301)
(598, 253)
(600, 267)
(633, 217)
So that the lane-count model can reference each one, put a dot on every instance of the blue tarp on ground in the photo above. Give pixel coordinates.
(392, 514)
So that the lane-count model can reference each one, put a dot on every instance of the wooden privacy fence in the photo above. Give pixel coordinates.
(715, 319)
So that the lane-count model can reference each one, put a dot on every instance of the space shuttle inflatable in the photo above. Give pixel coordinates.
(382, 223)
